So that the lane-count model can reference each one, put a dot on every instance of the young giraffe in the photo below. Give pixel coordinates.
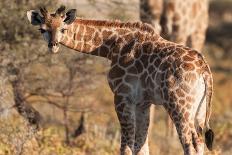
(145, 69)
(184, 22)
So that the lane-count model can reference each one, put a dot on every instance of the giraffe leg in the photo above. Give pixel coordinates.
(197, 40)
(126, 115)
(191, 140)
(141, 132)
(199, 122)
(184, 132)
(198, 143)
(198, 36)
(197, 140)
(185, 129)
(178, 38)
(199, 137)
(177, 35)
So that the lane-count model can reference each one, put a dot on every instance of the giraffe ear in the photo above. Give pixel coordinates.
(34, 17)
(70, 16)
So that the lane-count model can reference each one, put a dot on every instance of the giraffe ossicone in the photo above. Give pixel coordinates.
(145, 69)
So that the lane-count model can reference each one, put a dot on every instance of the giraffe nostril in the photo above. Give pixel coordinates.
(50, 45)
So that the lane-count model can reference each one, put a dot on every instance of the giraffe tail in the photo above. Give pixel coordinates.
(209, 134)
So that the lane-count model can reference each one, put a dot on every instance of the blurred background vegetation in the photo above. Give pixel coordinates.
(52, 104)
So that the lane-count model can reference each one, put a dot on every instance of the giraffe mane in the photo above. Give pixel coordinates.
(136, 25)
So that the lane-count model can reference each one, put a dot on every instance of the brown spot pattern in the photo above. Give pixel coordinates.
(188, 66)
(96, 39)
(116, 72)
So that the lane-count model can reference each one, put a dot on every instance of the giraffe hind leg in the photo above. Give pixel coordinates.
(191, 142)
(183, 130)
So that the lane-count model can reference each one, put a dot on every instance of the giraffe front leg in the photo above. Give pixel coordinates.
(141, 130)
(126, 115)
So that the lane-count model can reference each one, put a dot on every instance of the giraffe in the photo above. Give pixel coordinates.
(184, 22)
(145, 69)
(150, 12)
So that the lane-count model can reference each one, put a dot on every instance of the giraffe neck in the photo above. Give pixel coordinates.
(101, 38)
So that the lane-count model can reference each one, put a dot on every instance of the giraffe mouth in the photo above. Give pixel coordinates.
(54, 49)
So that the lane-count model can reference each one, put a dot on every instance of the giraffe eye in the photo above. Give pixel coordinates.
(42, 30)
(63, 30)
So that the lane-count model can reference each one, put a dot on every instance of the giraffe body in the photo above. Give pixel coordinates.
(145, 69)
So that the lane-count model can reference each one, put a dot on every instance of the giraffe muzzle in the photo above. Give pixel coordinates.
(54, 48)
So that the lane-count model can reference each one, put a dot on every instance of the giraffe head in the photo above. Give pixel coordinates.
(52, 25)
